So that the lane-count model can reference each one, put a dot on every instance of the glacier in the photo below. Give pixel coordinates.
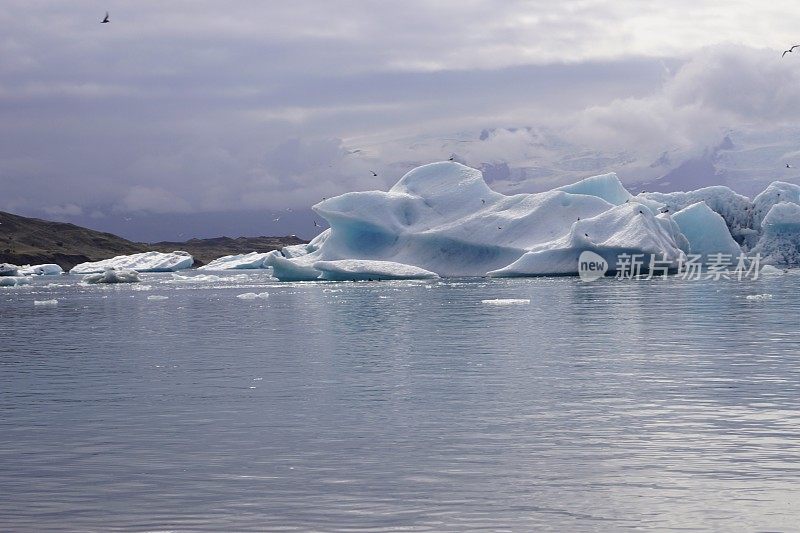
(141, 262)
(442, 219)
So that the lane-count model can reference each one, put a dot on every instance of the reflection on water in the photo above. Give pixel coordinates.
(400, 405)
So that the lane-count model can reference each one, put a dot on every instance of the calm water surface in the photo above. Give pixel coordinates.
(411, 406)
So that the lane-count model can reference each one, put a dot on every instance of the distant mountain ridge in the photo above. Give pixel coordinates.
(25, 240)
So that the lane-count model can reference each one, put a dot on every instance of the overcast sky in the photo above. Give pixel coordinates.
(197, 118)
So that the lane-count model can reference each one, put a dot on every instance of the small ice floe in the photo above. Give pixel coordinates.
(13, 281)
(769, 270)
(113, 275)
(157, 297)
(45, 302)
(507, 301)
(759, 297)
(253, 296)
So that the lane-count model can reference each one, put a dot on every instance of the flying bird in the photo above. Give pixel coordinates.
(788, 165)
(789, 51)
(374, 174)
(105, 19)
(452, 157)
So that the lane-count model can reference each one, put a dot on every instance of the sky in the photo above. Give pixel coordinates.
(200, 118)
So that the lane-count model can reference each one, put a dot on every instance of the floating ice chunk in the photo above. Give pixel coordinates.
(771, 271)
(253, 296)
(13, 281)
(253, 260)
(706, 231)
(780, 236)
(48, 269)
(759, 297)
(442, 218)
(7, 269)
(362, 269)
(45, 302)
(507, 301)
(296, 250)
(113, 275)
(143, 262)
(157, 297)
(626, 229)
(775, 193)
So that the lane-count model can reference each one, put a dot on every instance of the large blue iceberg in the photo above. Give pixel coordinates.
(443, 220)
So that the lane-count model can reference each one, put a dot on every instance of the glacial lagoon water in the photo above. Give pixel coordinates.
(412, 406)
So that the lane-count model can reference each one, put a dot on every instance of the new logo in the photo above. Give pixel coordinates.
(591, 266)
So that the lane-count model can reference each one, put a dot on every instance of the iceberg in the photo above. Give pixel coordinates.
(253, 260)
(7, 269)
(48, 269)
(141, 262)
(113, 275)
(706, 231)
(442, 219)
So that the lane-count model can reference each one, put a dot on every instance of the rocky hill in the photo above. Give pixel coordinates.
(26, 240)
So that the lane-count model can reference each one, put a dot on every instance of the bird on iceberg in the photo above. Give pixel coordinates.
(452, 158)
(483, 201)
(105, 19)
(315, 224)
(789, 50)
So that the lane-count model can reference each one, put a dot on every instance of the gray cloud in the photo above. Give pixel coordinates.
(193, 107)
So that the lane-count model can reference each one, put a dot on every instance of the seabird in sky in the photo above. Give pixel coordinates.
(374, 174)
(789, 50)
(105, 19)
